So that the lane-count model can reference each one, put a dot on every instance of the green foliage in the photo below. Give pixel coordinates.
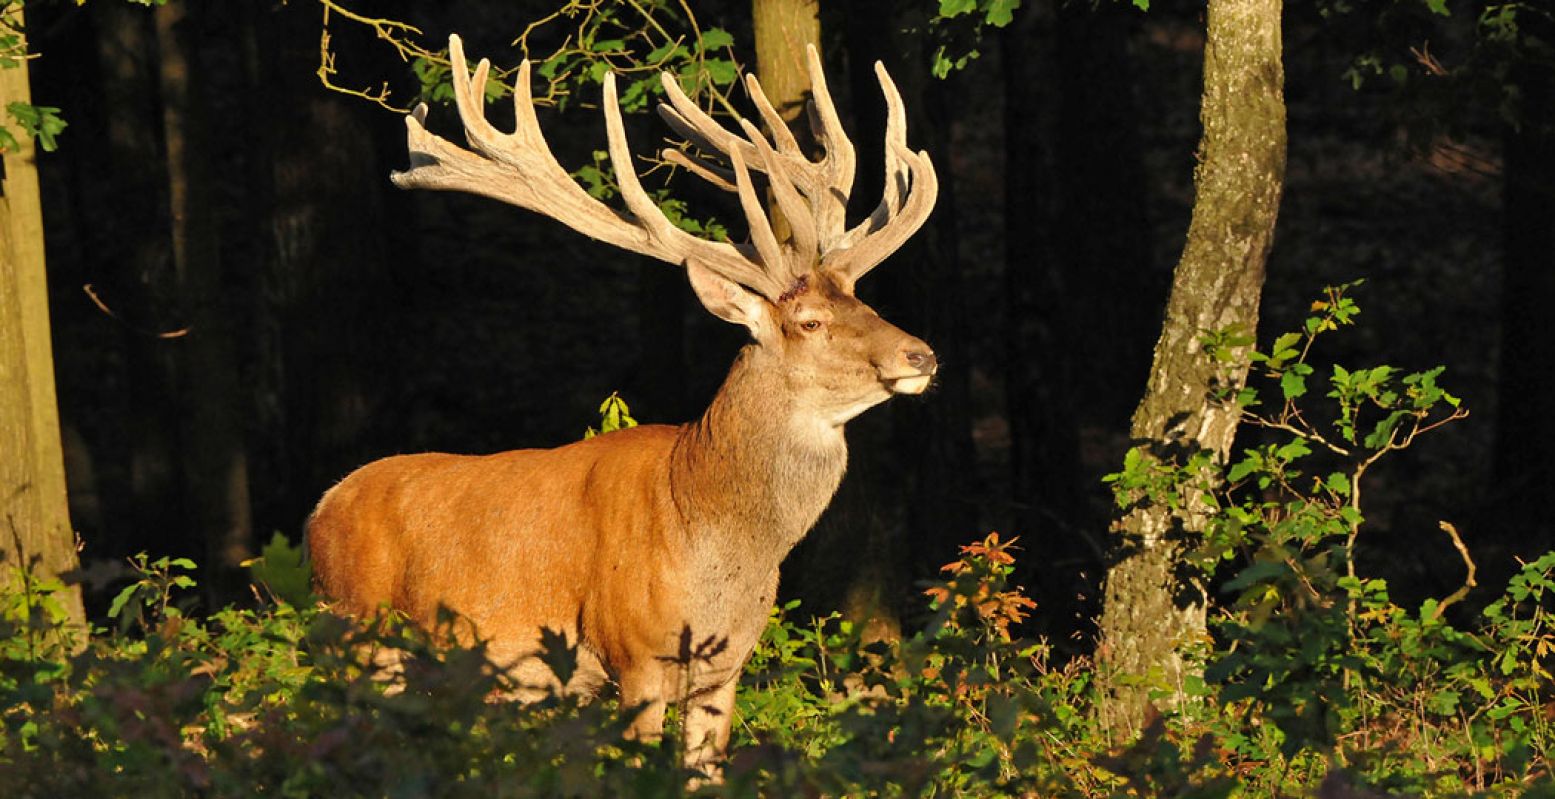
(152, 592)
(40, 122)
(572, 47)
(283, 571)
(637, 41)
(1315, 673)
(613, 415)
(290, 700)
(33, 622)
(958, 26)
(1443, 60)
(1313, 661)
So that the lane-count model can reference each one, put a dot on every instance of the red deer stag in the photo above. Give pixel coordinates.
(627, 542)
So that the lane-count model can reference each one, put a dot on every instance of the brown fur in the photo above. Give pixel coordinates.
(627, 541)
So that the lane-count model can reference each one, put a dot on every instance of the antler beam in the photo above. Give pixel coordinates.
(518, 168)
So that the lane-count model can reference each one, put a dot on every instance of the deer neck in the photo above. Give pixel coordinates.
(754, 473)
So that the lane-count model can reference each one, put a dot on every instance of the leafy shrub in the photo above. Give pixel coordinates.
(1315, 675)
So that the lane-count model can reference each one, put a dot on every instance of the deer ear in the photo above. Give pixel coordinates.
(730, 301)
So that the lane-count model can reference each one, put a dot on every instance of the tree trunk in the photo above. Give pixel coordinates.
(35, 526)
(1153, 615)
(212, 451)
(783, 29)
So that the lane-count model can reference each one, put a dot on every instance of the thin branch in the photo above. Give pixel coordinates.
(1468, 581)
(1305, 432)
(91, 294)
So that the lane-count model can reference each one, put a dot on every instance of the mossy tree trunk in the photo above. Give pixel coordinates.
(1154, 613)
(35, 526)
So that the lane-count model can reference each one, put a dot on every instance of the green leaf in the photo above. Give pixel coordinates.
(1286, 341)
(1293, 450)
(1293, 384)
(282, 568)
(613, 415)
(1001, 12)
(1245, 467)
(1443, 702)
(721, 71)
(715, 39)
(1257, 574)
(41, 122)
(119, 600)
(955, 8)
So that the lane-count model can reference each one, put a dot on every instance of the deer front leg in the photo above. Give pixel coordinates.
(643, 689)
(709, 718)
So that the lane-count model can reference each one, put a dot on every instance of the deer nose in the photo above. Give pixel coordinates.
(922, 360)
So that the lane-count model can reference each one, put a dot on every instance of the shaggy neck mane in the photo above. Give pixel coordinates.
(757, 465)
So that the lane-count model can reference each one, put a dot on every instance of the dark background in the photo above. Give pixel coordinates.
(332, 320)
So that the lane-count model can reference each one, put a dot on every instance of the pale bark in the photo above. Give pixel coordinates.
(34, 516)
(1154, 613)
(782, 30)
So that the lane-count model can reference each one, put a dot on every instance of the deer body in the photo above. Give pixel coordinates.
(621, 542)
(640, 543)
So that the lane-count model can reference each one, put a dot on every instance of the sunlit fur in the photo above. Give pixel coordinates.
(626, 541)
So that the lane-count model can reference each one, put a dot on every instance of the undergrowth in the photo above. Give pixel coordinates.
(1314, 679)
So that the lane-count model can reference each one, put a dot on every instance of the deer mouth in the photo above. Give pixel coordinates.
(910, 384)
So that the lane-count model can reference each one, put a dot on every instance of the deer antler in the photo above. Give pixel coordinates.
(519, 168)
(910, 187)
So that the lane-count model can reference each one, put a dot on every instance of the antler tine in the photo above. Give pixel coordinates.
(881, 238)
(519, 169)
(839, 164)
(707, 135)
(692, 122)
(786, 143)
(766, 277)
(896, 172)
(911, 188)
(801, 225)
(722, 178)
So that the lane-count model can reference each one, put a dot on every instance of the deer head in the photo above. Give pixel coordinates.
(834, 354)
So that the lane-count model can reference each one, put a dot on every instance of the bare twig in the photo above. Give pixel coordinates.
(1468, 581)
(91, 294)
(1426, 59)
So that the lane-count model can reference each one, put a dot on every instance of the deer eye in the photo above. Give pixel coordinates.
(810, 325)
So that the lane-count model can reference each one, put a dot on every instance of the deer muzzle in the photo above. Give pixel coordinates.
(915, 370)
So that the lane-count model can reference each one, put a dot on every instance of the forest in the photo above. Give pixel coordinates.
(1229, 482)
